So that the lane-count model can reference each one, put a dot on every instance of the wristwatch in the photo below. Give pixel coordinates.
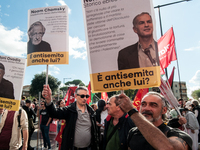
(132, 111)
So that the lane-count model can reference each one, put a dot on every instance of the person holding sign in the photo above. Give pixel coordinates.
(6, 87)
(144, 53)
(150, 131)
(35, 43)
(80, 132)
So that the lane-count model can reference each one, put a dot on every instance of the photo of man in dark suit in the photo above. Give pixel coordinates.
(144, 53)
(35, 43)
(6, 87)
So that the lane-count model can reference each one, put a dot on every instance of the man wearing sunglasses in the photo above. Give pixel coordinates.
(80, 132)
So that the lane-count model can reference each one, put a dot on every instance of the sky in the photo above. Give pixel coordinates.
(182, 16)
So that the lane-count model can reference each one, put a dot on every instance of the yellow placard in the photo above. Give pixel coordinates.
(9, 104)
(45, 58)
(126, 79)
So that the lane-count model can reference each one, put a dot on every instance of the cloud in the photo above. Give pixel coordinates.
(6, 14)
(11, 42)
(62, 2)
(196, 78)
(192, 48)
(196, 81)
(77, 48)
(52, 70)
(190, 89)
(8, 6)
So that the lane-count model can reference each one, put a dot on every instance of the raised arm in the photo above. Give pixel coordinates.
(53, 112)
(47, 94)
(150, 132)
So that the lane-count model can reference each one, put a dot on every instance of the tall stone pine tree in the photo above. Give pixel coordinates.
(39, 80)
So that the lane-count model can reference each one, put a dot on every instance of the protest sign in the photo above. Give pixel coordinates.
(12, 72)
(48, 41)
(121, 44)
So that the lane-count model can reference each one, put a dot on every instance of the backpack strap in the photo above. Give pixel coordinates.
(18, 118)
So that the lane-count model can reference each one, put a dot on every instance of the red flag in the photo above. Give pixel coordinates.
(59, 135)
(70, 96)
(170, 80)
(70, 99)
(89, 90)
(137, 100)
(166, 48)
(104, 96)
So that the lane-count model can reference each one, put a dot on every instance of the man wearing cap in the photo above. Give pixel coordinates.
(6, 87)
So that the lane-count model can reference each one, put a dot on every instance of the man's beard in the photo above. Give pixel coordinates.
(152, 119)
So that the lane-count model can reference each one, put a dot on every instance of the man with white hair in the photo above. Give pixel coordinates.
(35, 43)
(150, 132)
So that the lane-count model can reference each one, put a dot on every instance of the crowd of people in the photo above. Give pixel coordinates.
(114, 124)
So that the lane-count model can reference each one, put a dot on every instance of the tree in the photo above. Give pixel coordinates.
(39, 80)
(196, 94)
(75, 82)
(64, 88)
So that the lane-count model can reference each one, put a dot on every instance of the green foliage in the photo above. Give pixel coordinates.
(75, 82)
(39, 80)
(196, 94)
(65, 88)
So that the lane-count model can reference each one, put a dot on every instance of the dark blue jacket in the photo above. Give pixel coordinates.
(125, 124)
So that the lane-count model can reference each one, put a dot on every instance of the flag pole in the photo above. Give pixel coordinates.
(161, 36)
(47, 74)
(38, 132)
(177, 66)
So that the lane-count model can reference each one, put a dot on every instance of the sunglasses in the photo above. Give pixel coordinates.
(41, 104)
(82, 96)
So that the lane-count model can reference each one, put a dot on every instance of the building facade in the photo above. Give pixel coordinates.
(180, 92)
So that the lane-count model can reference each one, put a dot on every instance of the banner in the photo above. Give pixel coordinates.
(166, 47)
(119, 57)
(48, 40)
(137, 100)
(12, 72)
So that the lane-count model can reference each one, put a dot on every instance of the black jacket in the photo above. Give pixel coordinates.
(125, 124)
(30, 112)
(70, 115)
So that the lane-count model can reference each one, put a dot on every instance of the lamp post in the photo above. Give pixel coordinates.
(64, 80)
(64, 83)
(159, 6)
